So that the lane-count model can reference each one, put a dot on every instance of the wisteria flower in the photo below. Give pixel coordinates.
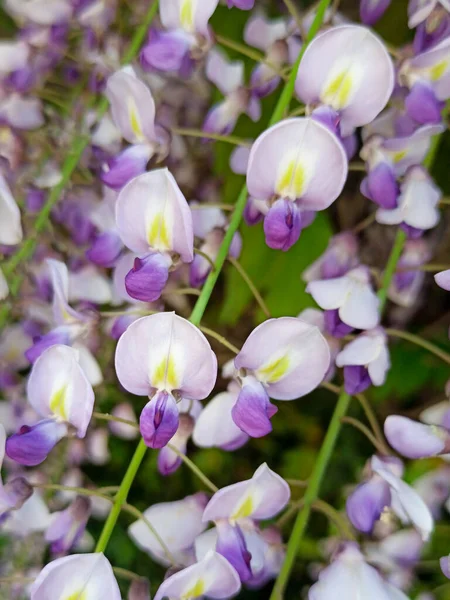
(284, 358)
(154, 221)
(165, 357)
(416, 440)
(59, 391)
(68, 526)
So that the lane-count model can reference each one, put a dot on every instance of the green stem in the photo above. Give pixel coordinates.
(121, 496)
(388, 274)
(415, 339)
(335, 517)
(193, 467)
(228, 139)
(220, 338)
(311, 495)
(254, 290)
(366, 431)
(79, 144)
(108, 417)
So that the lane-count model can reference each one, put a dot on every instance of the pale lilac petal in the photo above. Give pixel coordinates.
(139, 590)
(419, 11)
(59, 276)
(10, 220)
(443, 279)
(88, 364)
(122, 430)
(231, 545)
(190, 15)
(360, 351)
(261, 497)
(213, 577)
(41, 12)
(239, 160)
(288, 355)
(90, 285)
(261, 32)
(90, 574)
(166, 352)
(22, 113)
(152, 214)
(312, 165)
(58, 387)
(415, 440)
(132, 106)
(445, 565)
(178, 523)
(330, 294)
(333, 71)
(227, 76)
(14, 55)
(4, 288)
(206, 219)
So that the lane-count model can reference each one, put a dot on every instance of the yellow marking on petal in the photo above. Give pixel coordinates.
(187, 14)
(292, 180)
(198, 589)
(158, 233)
(438, 70)
(337, 93)
(165, 375)
(80, 595)
(135, 121)
(244, 510)
(275, 370)
(398, 156)
(57, 402)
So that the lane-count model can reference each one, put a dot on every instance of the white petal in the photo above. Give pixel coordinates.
(10, 223)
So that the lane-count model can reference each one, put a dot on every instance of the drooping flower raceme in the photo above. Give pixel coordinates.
(76, 576)
(165, 357)
(133, 111)
(295, 166)
(154, 221)
(235, 508)
(333, 72)
(60, 392)
(283, 358)
(212, 577)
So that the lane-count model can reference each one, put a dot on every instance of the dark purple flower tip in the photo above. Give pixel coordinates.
(147, 278)
(328, 117)
(252, 214)
(231, 545)
(139, 589)
(334, 325)
(253, 409)
(242, 4)
(381, 185)
(31, 445)
(159, 420)
(371, 11)
(105, 249)
(412, 232)
(130, 163)
(60, 335)
(366, 504)
(282, 225)
(167, 463)
(422, 105)
(356, 379)
(34, 200)
(22, 80)
(16, 492)
(198, 271)
(165, 51)
(262, 87)
(405, 279)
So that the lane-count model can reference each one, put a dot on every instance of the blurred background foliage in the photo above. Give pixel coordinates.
(415, 381)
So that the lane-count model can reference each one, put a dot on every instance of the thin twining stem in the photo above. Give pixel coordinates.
(206, 206)
(200, 306)
(220, 338)
(130, 509)
(298, 112)
(79, 144)
(108, 417)
(297, 483)
(126, 574)
(254, 290)
(391, 267)
(364, 223)
(415, 339)
(205, 256)
(429, 268)
(182, 292)
(372, 418)
(198, 133)
(289, 513)
(366, 431)
(292, 9)
(249, 52)
(335, 517)
(356, 166)
(193, 467)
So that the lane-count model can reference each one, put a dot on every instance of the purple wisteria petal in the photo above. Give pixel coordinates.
(152, 214)
(132, 106)
(311, 166)
(445, 565)
(381, 185)
(66, 577)
(253, 410)
(31, 445)
(105, 249)
(148, 277)
(166, 51)
(212, 577)
(261, 497)
(242, 4)
(159, 420)
(290, 357)
(356, 379)
(333, 72)
(68, 526)
(121, 169)
(422, 105)
(178, 523)
(431, 67)
(231, 545)
(139, 590)
(14, 55)
(166, 352)
(366, 504)
(368, 350)
(59, 335)
(416, 440)
(372, 10)
(58, 388)
(419, 11)
(282, 225)
(443, 279)
(14, 493)
(334, 325)
(340, 256)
